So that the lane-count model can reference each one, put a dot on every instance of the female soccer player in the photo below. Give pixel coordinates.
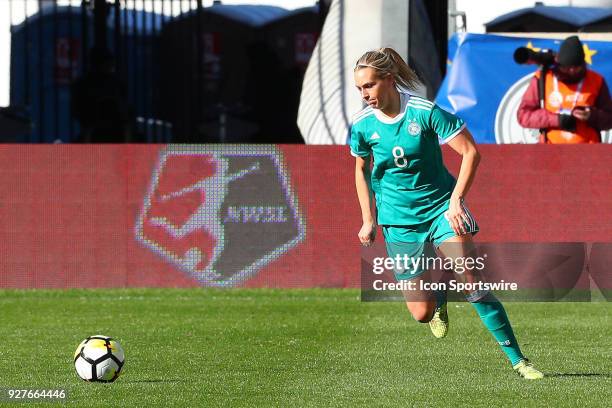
(417, 199)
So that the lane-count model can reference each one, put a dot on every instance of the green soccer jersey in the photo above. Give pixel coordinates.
(409, 180)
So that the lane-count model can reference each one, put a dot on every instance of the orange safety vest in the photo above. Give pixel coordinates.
(561, 97)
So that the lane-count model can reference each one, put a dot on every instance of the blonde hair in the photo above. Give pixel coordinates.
(386, 61)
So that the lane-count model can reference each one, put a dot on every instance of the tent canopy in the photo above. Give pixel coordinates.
(577, 18)
(253, 15)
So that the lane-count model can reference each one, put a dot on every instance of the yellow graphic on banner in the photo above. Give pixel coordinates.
(588, 52)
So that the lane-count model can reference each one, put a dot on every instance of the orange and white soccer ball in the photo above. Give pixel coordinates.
(99, 358)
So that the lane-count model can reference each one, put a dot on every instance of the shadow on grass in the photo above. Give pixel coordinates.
(602, 375)
(153, 381)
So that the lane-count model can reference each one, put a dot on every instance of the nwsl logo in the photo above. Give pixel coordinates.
(220, 213)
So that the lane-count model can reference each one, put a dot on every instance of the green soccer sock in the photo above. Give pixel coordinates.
(495, 319)
(440, 296)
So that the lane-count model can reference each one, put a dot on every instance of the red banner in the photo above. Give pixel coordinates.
(256, 216)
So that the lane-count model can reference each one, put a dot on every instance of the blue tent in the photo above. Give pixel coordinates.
(205, 86)
(47, 55)
(253, 15)
(542, 18)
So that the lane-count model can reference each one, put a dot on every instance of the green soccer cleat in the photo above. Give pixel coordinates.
(439, 322)
(525, 369)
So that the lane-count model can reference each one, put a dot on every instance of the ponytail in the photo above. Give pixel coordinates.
(386, 61)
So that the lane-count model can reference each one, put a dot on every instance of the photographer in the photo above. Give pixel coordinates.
(566, 101)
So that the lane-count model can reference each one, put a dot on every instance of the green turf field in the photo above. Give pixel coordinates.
(319, 347)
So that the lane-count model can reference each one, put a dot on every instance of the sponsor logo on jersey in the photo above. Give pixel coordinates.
(555, 99)
(414, 129)
(220, 213)
(375, 136)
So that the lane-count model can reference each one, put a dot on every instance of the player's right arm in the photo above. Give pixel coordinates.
(362, 151)
(367, 233)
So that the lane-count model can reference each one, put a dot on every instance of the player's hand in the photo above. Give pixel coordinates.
(456, 216)
(581, 113)
(367, 233)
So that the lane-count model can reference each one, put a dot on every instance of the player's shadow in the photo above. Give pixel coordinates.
(602, 375)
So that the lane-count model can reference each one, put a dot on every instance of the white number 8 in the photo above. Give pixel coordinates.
(399, 159)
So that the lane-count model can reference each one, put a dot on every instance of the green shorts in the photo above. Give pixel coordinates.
(420, 241)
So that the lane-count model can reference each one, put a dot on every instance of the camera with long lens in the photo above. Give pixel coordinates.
(524, 55)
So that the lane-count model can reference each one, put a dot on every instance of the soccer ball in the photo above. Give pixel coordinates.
(99, 358)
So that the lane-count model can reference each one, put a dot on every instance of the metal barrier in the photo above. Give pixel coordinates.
(57, 46)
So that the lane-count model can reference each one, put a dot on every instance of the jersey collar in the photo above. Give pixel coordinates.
(404, 97)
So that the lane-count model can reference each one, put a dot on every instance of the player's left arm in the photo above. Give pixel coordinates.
(452, 130)
(463, 144)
